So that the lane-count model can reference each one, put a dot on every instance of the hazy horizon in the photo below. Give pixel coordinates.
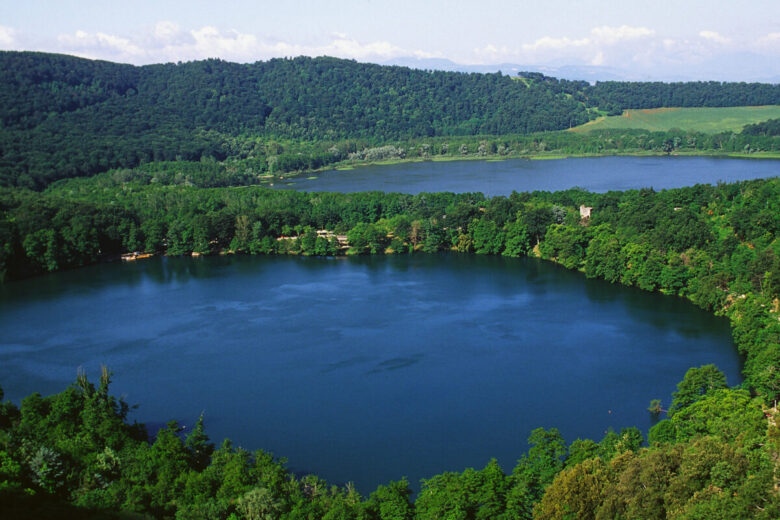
(591, 39)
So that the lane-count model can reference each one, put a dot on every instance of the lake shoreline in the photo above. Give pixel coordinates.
(500, 177)
(352, 165)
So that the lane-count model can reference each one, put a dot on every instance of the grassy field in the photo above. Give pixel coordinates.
(708, 120)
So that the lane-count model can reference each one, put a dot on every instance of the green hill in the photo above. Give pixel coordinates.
(62, 116)
(705, 119)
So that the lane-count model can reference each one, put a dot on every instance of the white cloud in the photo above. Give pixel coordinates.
(599, 37)
(554, 43)
(769, 43)
(636, 48)
(598, 59)
(166, 41)
(603, 45)
(167, 31)
(211, 43)
(7, 37)
(354, 49)
(714, 37)
(99, 45)
(612, 35)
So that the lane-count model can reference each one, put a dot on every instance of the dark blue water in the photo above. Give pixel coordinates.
(362, 369)
(599, 174)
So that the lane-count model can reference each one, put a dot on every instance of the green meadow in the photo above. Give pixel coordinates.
(708, 120)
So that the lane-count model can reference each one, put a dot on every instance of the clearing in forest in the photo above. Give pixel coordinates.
(708, 120)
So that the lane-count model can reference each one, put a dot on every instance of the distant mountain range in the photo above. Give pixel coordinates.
(571, 72)
(732, 67)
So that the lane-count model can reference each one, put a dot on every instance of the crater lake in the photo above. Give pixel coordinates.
(361, 369)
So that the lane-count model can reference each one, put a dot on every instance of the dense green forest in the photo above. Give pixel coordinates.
(62, 116)
(74, 455)
(715, 455)
(615, 96)
(767, 128)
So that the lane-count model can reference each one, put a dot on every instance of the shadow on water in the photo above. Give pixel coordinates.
(346, 363)
(79, 281)
(396, 363)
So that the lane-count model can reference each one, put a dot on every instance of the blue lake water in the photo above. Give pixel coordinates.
(599, 174)
(361, 369)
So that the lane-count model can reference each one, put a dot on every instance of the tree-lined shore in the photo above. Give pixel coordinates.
(715, 456)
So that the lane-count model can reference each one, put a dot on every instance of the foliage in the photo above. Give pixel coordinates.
(770, 127)
(697, 383)
(720, 463)
(726, 413)
(63, 116)
(655, 94)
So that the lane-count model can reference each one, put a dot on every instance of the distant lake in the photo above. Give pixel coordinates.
(362, 369)
(599, 174)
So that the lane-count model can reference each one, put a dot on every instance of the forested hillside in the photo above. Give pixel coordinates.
(62, 116)
(615, 96)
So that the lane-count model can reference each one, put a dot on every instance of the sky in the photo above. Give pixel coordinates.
(650, 40)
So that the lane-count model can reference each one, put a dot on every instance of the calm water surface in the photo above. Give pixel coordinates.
(598, 174)
(361, 369)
